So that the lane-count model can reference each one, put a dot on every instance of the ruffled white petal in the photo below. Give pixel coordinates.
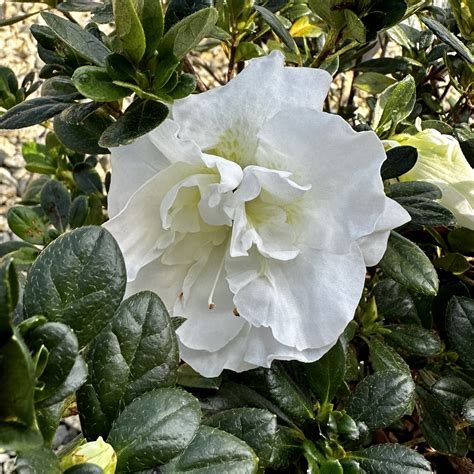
(307, 302)
(132, 166)
(373, 246)
(262, 89)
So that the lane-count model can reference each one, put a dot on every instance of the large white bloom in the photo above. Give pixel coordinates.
(253, 214)
(441, 162)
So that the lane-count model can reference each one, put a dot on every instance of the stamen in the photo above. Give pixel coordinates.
(210, 301)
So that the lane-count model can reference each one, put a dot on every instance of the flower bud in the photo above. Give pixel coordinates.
(96, 452)
(441, 162)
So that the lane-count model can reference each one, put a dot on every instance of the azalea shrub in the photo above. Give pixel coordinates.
(276, 274)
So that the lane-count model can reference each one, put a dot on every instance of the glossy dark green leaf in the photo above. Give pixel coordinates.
(39, 460)
(384, 65)
(449, 38)
(26, 224)
(179, 9)
(383, 357)
(95, 83)
(400, 160)
(187, 33)
(276, 385)
(407, 264)
(410, 189)
(9, 293)
(326, 374)
(79, 212)
(136, 353)
(186, 85)
(32, 112)
(37, 158)
(381, 398)
(140, 117)
(427, 212)
(63, 350)
(82, 137)
(79, 279)
(454, 263)
(129, 30)
(56, 203)
(394, 301)
(213, 451)
(60, 87)
(258, 428)
(437, 425)
(154, 428)
(391, 458)
(415, 339)
(87, 179)
(277, 27)
(85, 44)
(452, 392)
(188, 377)
(460, 327)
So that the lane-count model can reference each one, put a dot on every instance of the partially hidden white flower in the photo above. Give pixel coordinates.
(441, 162)
(253, 214)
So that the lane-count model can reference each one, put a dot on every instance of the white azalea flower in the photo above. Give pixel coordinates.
(441, 162)
(253, 214)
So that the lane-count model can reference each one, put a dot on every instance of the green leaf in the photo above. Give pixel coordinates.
(461, 240)
(454, 263)
(384, 65)
(460, 327)
(447, 37)
(407, 264)
(331, 466)
(26, 224)
(326, 374)
(400, 160)
(87, 179)
(154, 428)
(17, 379)
(437, 425)
(354, 29)
(394, 301)
(418, 189)
(79, 212)
(79, 279)
(150, 13)
(83, 137)
(37, 460)
(76, 377)
(427, 212)
(187, 34)
(94, 82)
(391, 458)
(48, 421)
(136, 353)
(415, 339)
(382, 398)
(17, 437)
(63, 350)
(186, 85)
(213, 451)
(188, 377)
(140, 117)
(37, 158)
(9, 293)
(129, 29)
(82, 42)
(275, 384)
(394, 104)
(32, 112)
(383, 357)
(452, 392)
(56, 203)
(179, 9)
(277, 27)
(258, 428)
(373, 82)
(86, 468)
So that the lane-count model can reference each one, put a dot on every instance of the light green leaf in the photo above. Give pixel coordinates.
(94, 82)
